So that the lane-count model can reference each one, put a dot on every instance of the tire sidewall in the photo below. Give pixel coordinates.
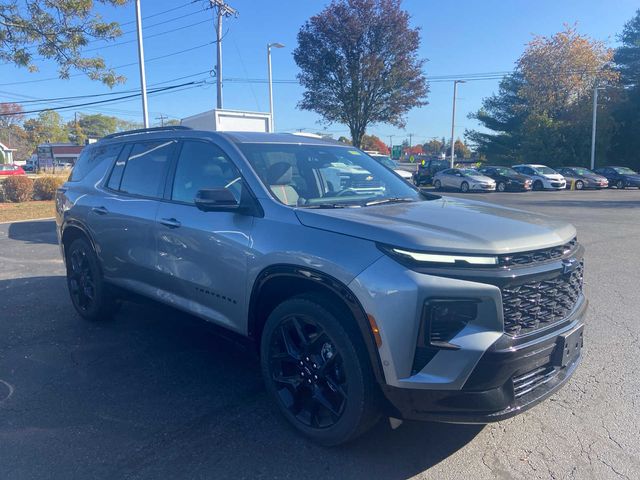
(349, 424)
(501, 187)
(463, 188)
(620, 184)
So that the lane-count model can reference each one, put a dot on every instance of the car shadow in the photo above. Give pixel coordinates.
(36, 231)
(158, 393)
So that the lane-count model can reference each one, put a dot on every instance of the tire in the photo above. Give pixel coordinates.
(316, 370)
(437, 184)
(620, 185)
(464, 187)
(579, 185)
(91, 296)
(538, 186)
(501, 187)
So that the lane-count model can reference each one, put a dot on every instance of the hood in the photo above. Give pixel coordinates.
(446, 224)
(480, 178)
(519, 177)
(593, 176)
(403, 173)
(552, 176)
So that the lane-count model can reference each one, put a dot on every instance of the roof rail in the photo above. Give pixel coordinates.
(146, 130)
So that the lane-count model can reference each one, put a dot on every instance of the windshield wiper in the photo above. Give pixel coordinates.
(389, 200)
(329, 205)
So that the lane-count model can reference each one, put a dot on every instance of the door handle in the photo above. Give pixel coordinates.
(170, 222)
(100, 210)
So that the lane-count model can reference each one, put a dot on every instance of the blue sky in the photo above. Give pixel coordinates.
(457, 38)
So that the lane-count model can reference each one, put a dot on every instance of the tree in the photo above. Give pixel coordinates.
(371, 142)
(460, 149)
(626, 111)
(56, 30)
(97, 125)
(344, 139)
(14, 136)
(47, 127)
(359, 65)
(433, 147)
(541, 112)
(10, 114)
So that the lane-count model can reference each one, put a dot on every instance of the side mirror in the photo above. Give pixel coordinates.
(216, 200)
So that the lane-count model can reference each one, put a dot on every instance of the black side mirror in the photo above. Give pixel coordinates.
(216, 200)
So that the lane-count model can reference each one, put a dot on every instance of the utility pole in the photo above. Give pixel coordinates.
(222, 10)
(143, 80)
(453, 118)
(161, 118)
(391, 143)
(593, 127)
(410, 138)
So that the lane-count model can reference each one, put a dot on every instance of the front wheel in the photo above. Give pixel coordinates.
(537, 185)
(501, 187)
(464, 188)
(620, 185)
(317, 372)
(91, 297)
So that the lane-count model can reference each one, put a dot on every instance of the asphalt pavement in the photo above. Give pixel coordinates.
(158, 394)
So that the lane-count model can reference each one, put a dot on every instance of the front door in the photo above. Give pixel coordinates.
(202, 256)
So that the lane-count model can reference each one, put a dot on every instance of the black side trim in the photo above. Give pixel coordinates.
(325, 281)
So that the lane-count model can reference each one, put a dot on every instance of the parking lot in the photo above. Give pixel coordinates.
(158, 394)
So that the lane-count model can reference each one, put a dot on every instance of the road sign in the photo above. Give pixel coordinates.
(396, 152)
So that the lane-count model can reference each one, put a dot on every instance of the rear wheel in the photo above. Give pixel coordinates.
(464, 187)
(317, 372)
(91, 297)
(537, 185)
(437, 184)
(501, 187)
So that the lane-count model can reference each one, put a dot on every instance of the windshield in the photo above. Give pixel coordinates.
(624, 170)
(325, 176)
(544, 170)
(505, 171)
(386, 161)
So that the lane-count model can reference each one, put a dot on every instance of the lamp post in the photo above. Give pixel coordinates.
(453, 118)
(143, 81)
(269, 46)
(593, 126)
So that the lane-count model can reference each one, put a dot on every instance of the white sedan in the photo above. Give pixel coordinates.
(463, 179)
(543, 177)
(389, 163)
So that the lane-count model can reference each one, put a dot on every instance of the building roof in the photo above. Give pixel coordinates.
(4, 148)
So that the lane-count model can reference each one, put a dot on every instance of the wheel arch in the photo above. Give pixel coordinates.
(277, 283)
(72, 230)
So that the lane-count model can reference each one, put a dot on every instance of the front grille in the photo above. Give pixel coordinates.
(538, 256)
(530, 306)
(523, 384)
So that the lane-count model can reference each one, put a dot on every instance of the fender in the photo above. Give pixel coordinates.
(73, 223)
(326, 282)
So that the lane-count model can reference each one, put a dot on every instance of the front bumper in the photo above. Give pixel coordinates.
(508, 380)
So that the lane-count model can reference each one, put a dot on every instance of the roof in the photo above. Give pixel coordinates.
(263, 137)
(4, 148)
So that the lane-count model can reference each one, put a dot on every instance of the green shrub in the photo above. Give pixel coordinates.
(44, 188)
(18, 188)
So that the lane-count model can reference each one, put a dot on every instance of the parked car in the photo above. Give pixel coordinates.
(543, 177)
(424, 174)
(392, 165)
(398, 303)
(463, 179)
(30, 166)
(582, 178)
(507, 179)
(620, 177)
(10, 169)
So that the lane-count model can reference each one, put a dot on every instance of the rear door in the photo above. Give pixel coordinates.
(202, 256)
(124, 218)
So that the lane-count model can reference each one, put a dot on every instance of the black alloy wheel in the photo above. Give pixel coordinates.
(501, 187)
(308, 372)
(91, 297)
(316, 369)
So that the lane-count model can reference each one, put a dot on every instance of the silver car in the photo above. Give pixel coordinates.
(464, 180)
(365, 297)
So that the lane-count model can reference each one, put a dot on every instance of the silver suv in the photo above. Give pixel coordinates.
(365, 297)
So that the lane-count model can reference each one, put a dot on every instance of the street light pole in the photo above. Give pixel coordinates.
(143, 80)
(593, 127)
(453, 118)
(274, 45)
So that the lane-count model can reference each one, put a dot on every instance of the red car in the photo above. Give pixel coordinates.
(11, 170)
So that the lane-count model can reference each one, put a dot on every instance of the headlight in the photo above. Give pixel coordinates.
(442, 259)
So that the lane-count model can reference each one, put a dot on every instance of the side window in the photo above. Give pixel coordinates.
(203, 165)
(91, 157)
(144, 171)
